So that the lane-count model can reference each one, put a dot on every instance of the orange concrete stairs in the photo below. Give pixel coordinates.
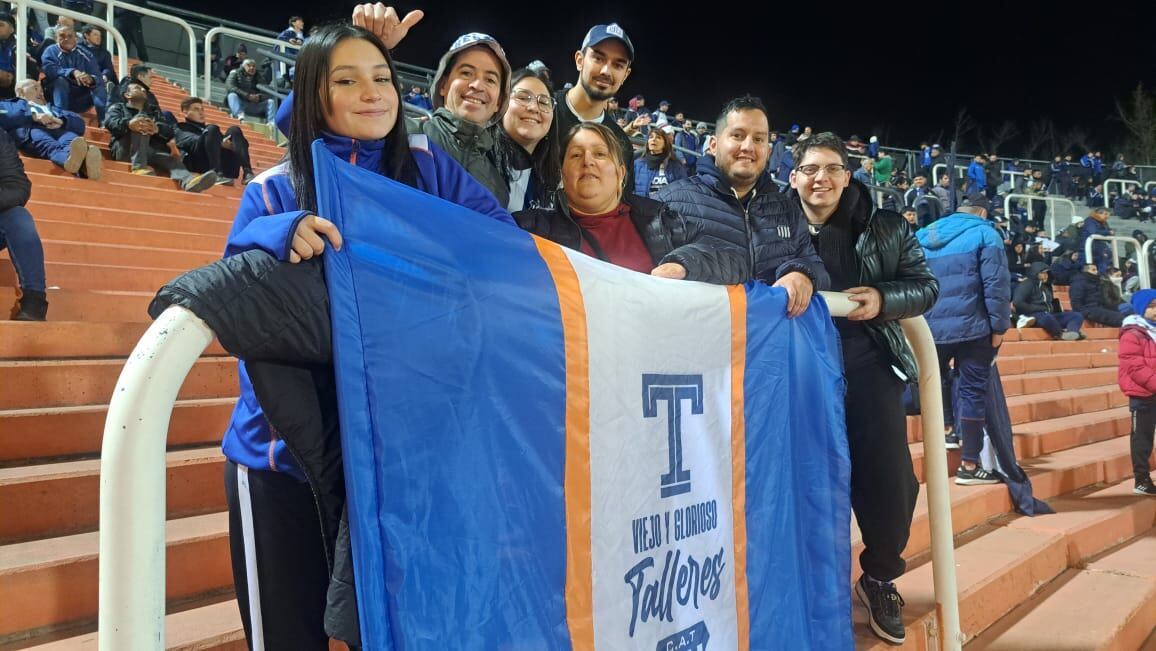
(1070, 426)
(109, 245)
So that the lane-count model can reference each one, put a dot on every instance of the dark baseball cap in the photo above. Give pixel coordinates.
(599, 33)
(978, 200)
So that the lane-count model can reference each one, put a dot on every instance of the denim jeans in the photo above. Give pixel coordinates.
(261, 108)
(18, 234)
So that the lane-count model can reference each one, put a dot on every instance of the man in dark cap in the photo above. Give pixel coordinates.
(604, 62)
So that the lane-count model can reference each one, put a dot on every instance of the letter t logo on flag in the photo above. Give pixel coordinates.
(673, 389)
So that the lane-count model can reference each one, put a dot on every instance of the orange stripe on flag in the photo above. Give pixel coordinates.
(738, 301)
(579, 573)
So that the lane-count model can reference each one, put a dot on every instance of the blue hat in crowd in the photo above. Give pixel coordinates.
(1142, 299)
(599, 33)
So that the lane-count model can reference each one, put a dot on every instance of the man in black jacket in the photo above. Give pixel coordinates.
(1033, 299)
(18, 234)
(874, 256)
(738, 203)
(206, 149)
(140, 135)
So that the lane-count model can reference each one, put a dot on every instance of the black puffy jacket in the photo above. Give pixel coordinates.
(771, 227)
(247, 299)
(15, 188)
(667, 235)
(892, 261)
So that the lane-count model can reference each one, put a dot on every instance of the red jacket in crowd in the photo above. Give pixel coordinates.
(1137, 373)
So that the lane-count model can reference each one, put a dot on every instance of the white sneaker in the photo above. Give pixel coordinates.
(1025, 321)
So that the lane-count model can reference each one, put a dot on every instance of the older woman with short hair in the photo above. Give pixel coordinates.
(595, 215)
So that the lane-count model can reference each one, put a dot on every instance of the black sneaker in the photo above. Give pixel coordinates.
(974, 477)
(884, 609)
(1145, 487)
(951, 441)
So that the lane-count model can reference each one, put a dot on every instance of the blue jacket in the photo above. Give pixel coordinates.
(770, 227)
(103, 60)
(1100, 250)
(58, 63)
(968, 258)
(643, 175)
(976, 177)
(267, 218)
(687, 140)
(16, 119)
(8, 55)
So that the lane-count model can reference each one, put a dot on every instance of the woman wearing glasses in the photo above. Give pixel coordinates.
(529, 149)
(594, 213)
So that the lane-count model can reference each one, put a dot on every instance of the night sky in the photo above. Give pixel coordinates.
(899, 71)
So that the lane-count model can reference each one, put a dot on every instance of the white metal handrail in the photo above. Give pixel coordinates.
(1124, 183)
(1148, 186)
(1049, 201)
(132, 478)
(19, 9)
(152, 13)
(207, 90)
(132, 481)
(1116, 240)
(960, 169)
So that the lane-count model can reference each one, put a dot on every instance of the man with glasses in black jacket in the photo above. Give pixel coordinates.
(874, 256)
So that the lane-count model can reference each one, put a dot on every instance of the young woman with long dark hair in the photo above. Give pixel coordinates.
(529, 144)
(347, 95)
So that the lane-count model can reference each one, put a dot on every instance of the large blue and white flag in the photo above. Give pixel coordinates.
(543, 451)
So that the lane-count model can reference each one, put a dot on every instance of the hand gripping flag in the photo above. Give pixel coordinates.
(543, 451)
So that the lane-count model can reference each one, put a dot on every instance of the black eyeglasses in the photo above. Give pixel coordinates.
(813, 170)
(526, 98)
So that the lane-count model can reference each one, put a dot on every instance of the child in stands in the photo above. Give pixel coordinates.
(1137, 376)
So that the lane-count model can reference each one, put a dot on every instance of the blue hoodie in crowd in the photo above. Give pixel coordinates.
(267, 218)
(968, 257)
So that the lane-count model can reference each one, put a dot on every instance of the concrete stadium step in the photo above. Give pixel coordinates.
(1059, 404)
(57, 340)
(1033, 439)
(1110, 603)
(112, 217)
(216, 627)
(122, 197)
(94, 306)
(72, 275)
(1050, 347)
(1045, 381)
(56, 499)
(1036, 334)
(80, 252)
(226, 199)
(51, 229)
(999, 567)
(69, 383)
(62, 573)
(39, 434)
(1011, 365)
(1051, 475)
(114, 174)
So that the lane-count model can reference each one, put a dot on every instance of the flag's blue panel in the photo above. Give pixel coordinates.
(798, 479)
(450, 432)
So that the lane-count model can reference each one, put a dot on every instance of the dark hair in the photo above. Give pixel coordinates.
(293, 19)
(545, 162)
(137, 69)
(744, 103)
(88, 29)
(825, 140)
(310, 106)
(189, 101)
(667, 143)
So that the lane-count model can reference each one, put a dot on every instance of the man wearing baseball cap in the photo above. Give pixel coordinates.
(603, 63)
(469, 92)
